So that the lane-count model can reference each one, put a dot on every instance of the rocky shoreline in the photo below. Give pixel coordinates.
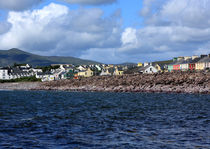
(177, 82)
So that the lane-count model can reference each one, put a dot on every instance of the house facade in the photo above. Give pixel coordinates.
(13, 73)
(85, 73)
(118, 71)
(148, 69)
(203, 63)
(4, 74)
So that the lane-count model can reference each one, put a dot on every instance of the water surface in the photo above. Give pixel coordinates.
(42, 119)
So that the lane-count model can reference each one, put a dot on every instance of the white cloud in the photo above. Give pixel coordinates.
(18, 5)
(129, 36)
(4, 27)
(66, 32)
(172, 28)
(168, 31)
(90, 2)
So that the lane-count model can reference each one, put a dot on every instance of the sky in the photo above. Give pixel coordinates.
(107, 31)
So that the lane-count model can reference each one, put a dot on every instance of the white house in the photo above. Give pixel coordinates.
(13, 73)
(4, 74)
(45, 76)
(148, 69)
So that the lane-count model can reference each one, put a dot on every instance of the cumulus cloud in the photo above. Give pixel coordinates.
(90, 2)
(66, 32)
(18, 5)
(172, 28)
(168, 31)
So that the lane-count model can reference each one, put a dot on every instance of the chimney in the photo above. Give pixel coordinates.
(202, 56)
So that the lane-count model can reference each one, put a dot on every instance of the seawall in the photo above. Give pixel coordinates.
(178, 82)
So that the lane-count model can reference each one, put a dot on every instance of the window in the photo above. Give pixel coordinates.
(150, 69)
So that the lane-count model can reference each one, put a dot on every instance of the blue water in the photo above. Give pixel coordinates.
(63, 120)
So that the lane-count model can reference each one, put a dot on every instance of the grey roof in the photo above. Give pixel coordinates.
(205, 59)
(187, 61)
(44, 73)
(144, 68)
(195, 60)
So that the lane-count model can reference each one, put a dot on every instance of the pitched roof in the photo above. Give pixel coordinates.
(144, 68)
(205, 59)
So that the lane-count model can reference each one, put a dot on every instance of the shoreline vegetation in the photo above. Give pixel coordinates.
(175, 82)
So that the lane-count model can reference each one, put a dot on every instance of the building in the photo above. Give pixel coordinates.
(193, 62)
(140, 64)
(159, 67)
(13, 73)
(118, 71)
(85, 73)
(45, 76)
(148, 69)
(4, 74)
(203, 63)
(184, 66)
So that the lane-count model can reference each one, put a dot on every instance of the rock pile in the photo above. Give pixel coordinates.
(178, 82)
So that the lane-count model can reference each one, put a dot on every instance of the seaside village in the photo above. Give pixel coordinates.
(69, 71)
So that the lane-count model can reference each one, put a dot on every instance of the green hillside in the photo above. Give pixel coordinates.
(9, 57)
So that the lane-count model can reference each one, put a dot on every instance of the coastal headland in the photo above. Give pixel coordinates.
(175, 82)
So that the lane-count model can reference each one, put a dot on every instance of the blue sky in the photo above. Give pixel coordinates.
(108, 31)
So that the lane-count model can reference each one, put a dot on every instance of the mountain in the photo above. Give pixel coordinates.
(163, 62)
(9, 57)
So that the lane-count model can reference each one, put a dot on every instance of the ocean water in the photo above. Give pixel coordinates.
(65, 120)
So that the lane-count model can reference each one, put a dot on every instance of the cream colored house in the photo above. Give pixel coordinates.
(118, 71)
(85, 73)
(203, 63)
(200, 65)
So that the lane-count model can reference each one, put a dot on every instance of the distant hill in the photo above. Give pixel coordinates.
(163, 62)
(128, 63)
(9, 57)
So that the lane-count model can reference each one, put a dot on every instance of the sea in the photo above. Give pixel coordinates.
(77, 120)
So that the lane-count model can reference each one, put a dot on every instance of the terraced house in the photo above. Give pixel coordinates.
(190, 63)
(203, 63)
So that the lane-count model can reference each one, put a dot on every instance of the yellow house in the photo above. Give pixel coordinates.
(200, 66)
(159, 67)
(85, 73)
(140, 64)
(203, 63)
(118, 71)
